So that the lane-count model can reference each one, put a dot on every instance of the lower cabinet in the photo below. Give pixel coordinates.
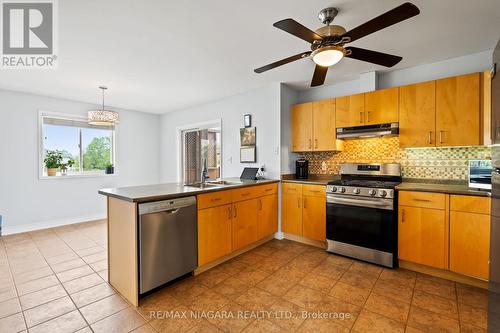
(244, 223)
(303, 210)
(214, 233)
(267, 215)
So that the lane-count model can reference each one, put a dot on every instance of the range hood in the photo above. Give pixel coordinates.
(369, 131)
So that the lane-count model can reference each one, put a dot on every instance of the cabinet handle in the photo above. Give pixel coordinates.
(315, 143)
(403, 216)
(422, 200)
(314, 191)
(268, 189)
(246, 194)
(310, 144)
(441, 136)
(304, 202)
(215, 199)
(361, 117)
(234, 212)
(368, 117)
(229, 212)
(430, 137)
(260, 204)
(298, 202)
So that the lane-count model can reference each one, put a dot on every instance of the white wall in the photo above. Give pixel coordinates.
(263, 104)
(28, 203)
(288, 97)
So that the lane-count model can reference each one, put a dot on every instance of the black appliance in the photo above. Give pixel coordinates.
(494, 280)
(361, 213)
(249, 174)
(302, 169)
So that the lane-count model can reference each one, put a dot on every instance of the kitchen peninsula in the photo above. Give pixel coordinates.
(227, 217)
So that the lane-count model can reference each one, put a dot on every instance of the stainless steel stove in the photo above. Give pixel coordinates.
(362, 213)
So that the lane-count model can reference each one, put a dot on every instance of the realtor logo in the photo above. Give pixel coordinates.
(28, 34)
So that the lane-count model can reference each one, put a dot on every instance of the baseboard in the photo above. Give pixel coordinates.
(279, 235)
(15, 229)
(305, 240)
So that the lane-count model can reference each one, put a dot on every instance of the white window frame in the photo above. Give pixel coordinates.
(179, 139)
(87, 174)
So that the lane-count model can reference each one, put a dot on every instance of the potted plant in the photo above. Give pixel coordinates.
(53, 159)
(110, 169)
(64, 166)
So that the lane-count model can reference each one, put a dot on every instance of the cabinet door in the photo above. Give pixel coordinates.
(324, 125)
(291, 214)
(314, 218)
(421, 236)
(417, 115)
(470, 244)
(458, 110)
(382, 106)
(214, 233)
(350, 111)
(244, 223)
(267, 215)
(302, 127)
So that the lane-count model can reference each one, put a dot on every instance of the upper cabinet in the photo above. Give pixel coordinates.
(350, 111)
(382, 106)
(458, 110)
(417, 115)
(313, 126)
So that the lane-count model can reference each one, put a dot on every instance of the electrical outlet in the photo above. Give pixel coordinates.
(323, 166)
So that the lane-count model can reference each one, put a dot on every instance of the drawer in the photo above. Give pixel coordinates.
(246, 193)
(214, 199)
(267, 189)
(470, 204)
(314, 190)
(423, 199)
(291, 188)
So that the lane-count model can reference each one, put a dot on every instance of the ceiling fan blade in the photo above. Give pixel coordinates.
(379, 58)
(295, 28)
(398, 14)
(282, 62)
(319, 76)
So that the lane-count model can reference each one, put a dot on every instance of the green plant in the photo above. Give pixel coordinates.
(53, 159)
(68, 164)
(109, 165)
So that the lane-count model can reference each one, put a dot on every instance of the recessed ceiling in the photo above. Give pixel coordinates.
(159, 56)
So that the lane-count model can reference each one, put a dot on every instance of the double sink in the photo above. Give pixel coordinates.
(214, 183)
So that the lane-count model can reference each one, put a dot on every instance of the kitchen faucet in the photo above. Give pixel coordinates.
(204, 172)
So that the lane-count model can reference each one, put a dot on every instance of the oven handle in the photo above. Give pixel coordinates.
(388, 205)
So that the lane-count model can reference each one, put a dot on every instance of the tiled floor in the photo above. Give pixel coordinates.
(55, 281)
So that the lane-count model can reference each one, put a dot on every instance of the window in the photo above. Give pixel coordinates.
(199, 145)
(90, 147)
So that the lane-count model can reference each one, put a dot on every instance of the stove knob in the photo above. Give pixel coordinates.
(383, 193)
(334, 189)
(342, 190)
(372, 192)
(356, 191)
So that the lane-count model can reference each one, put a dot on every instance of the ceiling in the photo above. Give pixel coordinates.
(158, 56)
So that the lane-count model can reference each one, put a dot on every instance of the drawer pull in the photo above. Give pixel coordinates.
(422, 200)
(305, 202)
(229, 213)
(245, 194)
(215, 199)
(235, 214)
(403, 216)
(268, 189)
(430, 137)
(314, 191)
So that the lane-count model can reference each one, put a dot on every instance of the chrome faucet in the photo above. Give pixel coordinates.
(204, 172)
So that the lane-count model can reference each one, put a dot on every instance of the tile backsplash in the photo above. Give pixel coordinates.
(433, 163)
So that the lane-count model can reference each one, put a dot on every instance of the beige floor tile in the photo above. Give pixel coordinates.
(158, 302)
(304, 297)
(286, 314)
(467, 328)
(350, 293)
(67, 323)
(388, 307)
(103, 308)
(104, 275)
(33, 275)
(256, 299)
(317, 282)
(14, 323)
(431, 322)
(124, 321)
(82, 283)
(472, 296)
(36, 285)
(10, 307)
(233, 323)
(342, 313)
(263, 326)
(211, 277)
(322, 326)
(74, 273)
(67, 265)
(203, 326)
(47, 311)
(231, 267)
(208, 301)
(231, 288)
(90, 250)
(291, 273)
(341, 262)
(187, 290)
(251, 276)
(84, 330)
(7, 292)
(473, 316)
(180, 321)
(144, 329)
(270, 264)
(276, 285)
(366, 268)
(370, 322)
(249, 258)
(62, 258)
(393, 290)
(399, 276)
(437, 304)
(436, 286)
(359, 279)
(95, 257)
(92, 294)
(42, 296)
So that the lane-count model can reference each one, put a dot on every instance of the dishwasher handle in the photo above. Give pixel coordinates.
(168, 206)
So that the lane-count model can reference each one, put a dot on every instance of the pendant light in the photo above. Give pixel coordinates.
(103, 117)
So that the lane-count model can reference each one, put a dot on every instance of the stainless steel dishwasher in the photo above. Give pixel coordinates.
(168, 241)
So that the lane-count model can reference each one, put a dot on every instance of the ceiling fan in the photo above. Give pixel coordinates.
(328, 42)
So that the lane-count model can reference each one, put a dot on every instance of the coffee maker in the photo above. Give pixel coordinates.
(301, 168)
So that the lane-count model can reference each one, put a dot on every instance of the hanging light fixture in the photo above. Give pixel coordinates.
(103, 117)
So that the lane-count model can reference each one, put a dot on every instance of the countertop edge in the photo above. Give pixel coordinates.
(440, 188)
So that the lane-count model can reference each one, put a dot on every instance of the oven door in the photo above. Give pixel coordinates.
(364, 222)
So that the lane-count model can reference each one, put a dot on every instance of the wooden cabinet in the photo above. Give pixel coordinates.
(302, 128)
(417, 115)
(458, 110)
(303, 210)
(313, 126)
(214, 233)
(350, 111)
(267, 215)
(382, 106)
(470, 235)
(423, 228)
(244, 223)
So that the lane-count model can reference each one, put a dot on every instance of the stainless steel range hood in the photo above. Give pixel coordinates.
(369, 131)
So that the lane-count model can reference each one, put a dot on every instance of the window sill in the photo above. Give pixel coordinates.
(88, 175)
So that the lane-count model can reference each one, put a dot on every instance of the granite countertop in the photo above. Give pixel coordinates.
(156, 192)
(312, 179)
(440, 186)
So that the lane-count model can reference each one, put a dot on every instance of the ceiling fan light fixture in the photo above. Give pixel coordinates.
(327, 56)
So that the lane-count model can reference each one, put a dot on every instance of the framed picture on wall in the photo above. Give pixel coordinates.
(248, 136)
(248, 154)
